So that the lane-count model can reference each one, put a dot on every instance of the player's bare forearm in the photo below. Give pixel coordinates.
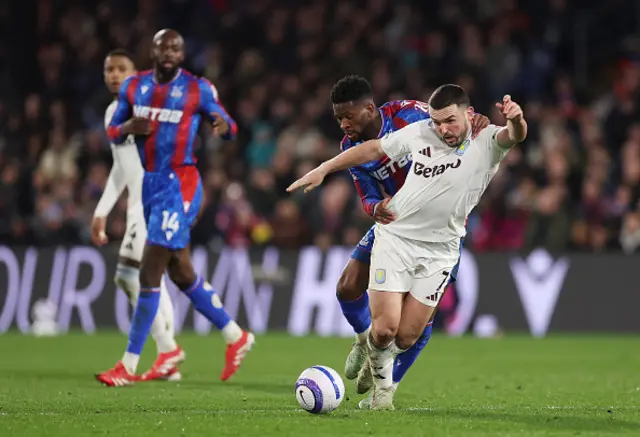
(517, 130)
(365, 152)
(361, 154)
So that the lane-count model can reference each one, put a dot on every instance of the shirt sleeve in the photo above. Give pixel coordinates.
(490, 139)
(367, 187)
(398, 144)
(116, 182)
(125, 157)
(210, 103)
(121, 114)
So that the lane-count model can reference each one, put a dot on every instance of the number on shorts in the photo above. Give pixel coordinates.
(446, 276)
(170, 221)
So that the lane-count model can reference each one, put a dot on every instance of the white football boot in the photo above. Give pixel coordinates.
(355, 360)
(383, 398)
(365, 379)
(366, 403)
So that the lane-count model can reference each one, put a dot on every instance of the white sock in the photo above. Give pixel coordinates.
(381, 360)
(362, 337)
(396, 350)
(130, 361)
(231, 332)
(166, 307)
(160, 329)
(162, 336)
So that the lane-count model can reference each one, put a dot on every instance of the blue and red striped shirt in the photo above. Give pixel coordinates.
(175, 110)
(374, 177)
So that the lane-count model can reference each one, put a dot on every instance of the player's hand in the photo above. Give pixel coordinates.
(381, 214)
(137, 126)
(510, 109)
(478, 122)
(220, 125)
(309, 181)
(98, 234)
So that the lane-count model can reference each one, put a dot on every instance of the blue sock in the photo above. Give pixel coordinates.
(207, 303)
(357, 312)
(407, 358)
(143, 316)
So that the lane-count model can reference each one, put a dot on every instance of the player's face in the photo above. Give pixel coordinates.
(168, 52)
(354, 117)
(116, 70)
(452, 123)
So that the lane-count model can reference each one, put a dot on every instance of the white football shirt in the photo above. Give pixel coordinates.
(127, 171)
(444, 183)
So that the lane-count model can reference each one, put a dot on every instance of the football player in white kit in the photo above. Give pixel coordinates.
(412, 257)
(127, 172)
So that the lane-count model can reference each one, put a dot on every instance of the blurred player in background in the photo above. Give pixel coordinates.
(375, 181)
(415, 255)
(162, 108)
(127, 173)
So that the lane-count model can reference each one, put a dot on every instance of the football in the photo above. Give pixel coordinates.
(319, 390)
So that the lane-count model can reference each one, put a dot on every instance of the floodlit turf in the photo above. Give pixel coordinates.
(517, 386)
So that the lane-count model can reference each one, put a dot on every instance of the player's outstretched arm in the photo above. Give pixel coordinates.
(516, 130)
(365, 152)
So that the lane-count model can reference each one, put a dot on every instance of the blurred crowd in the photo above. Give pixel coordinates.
(574, 67)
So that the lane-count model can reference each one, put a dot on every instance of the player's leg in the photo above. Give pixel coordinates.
(163, 213)
(207, 302)
(354, 301)
(386, 310)
(204, 299)
(401, 364)
(390, 277)
(154, 262)
(127, 278)
(406, 359)
(166, 308)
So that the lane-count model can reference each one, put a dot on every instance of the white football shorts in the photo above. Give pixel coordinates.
(135, 237)
(402, 265)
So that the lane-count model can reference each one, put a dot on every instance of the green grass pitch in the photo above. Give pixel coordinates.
(515, 386)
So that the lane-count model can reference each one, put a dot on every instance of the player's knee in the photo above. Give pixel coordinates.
(384, 333)
(353, 281)
(128, 280)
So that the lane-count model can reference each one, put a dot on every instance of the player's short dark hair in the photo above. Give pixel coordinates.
(124, 53)
(447, 95)
(350, 88)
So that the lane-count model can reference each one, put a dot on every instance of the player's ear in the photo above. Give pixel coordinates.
(371, 107)
(470, 111)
